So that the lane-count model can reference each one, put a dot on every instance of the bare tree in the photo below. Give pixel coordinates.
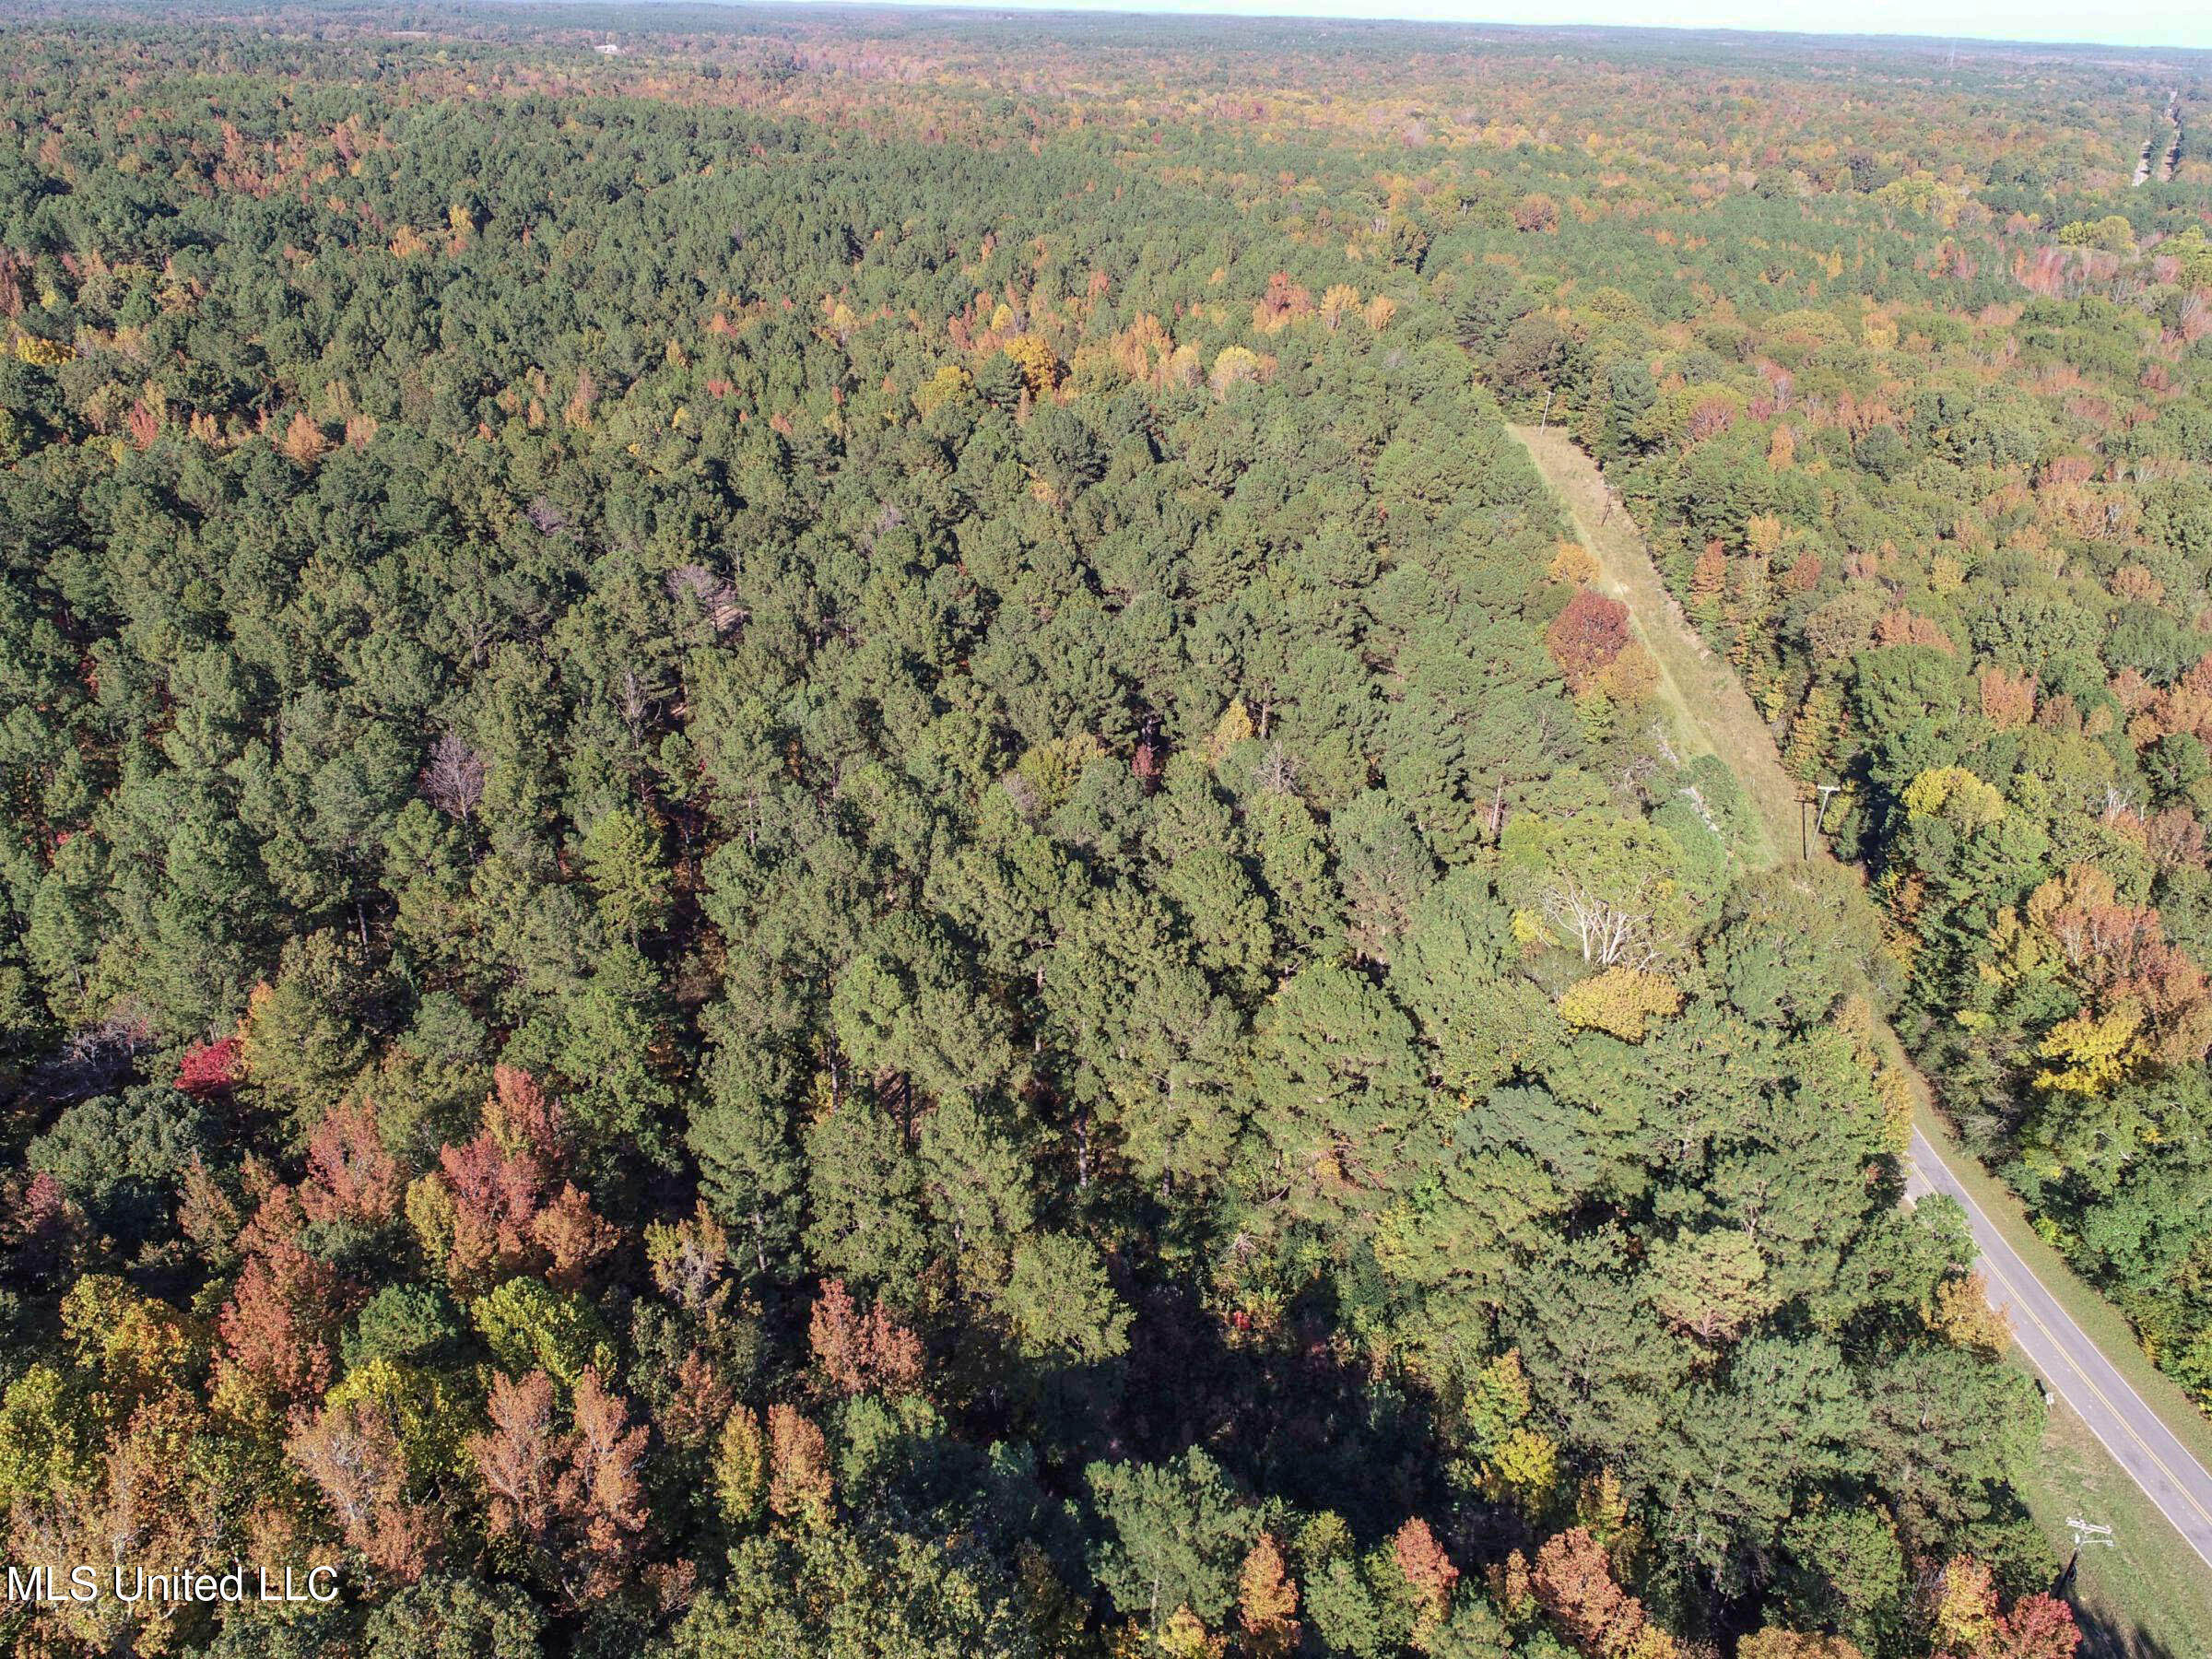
(716, 598)
(454, 779)
(1614, 923)
(1277, 770)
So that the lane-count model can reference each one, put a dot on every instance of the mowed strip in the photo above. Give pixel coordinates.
(2076, 1368)
(1705, 698)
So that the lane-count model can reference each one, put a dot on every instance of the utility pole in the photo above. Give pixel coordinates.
(2087, 1534)
(1821, 818)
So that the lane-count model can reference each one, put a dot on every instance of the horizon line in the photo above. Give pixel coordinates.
(1275, 11)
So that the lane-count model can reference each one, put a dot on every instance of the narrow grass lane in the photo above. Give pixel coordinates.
(1701, 693)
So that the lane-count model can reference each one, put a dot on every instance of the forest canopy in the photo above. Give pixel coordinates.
(815, 846)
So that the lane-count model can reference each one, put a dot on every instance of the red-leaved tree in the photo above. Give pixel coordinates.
(1429, 1573)
(280, 1327)
(602, 1493)
(862, 1353)
(502, 1222)
(1585, 637)
(350, 1177)
(213, 1068)
(573, 1499)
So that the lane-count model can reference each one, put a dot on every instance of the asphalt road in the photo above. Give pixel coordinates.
(2072, 1368)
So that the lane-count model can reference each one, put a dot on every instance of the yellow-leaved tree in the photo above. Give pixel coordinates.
(2093, 1052)
(1620, 1000)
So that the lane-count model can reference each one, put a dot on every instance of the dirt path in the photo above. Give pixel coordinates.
(2168, 157)
(1710, 711)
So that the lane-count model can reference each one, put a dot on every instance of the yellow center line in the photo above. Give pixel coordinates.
(1625, 578)
(2090, 1383)
(2015, 1299)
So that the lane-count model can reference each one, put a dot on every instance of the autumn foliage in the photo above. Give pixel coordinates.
(1586, 636)
(491, 1211)
(353, 1453)
(281, 1327)
(1575, 1583)
(862, 1353)
(213, 1068)
(571, 1497)
(1429, 1573)
(1969, 1623)
(1267, 1602)
(955, 919)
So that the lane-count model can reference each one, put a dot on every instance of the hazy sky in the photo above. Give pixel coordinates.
(2122, 22)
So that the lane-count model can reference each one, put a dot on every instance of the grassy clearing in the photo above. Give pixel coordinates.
(1715, 717)
(1709, 707)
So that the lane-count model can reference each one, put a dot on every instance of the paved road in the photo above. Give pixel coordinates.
(2072, 1367)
